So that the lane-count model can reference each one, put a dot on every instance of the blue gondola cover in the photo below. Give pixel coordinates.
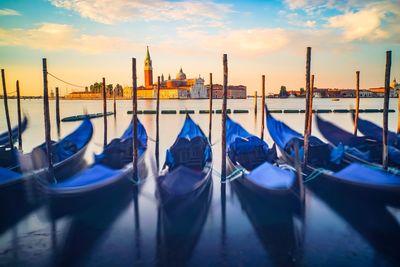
(191, 136)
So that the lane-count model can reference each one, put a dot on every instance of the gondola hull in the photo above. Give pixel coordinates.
(4, 140)
(170, 197)
(388, 194)
(179, 227)
(25, 183)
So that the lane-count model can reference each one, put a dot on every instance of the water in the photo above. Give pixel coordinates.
(233, 230)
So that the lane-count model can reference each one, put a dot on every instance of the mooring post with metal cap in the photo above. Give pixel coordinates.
(47, 125)
(58, 120)
(19, 117)
(10, 139)
(105, 111)
(158, 123)
(134, 121)
(224, 106)
(255, 102)
(385, 152)
(357, 102)
(310, 113)
(115, 102)
(308, 96)
(210, 108)
(262, 107)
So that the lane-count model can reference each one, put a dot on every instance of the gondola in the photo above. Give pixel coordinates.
(67, 158)
(111, 171)
(188, 164)
(179, 227)
(249, 155)
(362, 149)
(325, 164)
(4, 140)
(374, 131)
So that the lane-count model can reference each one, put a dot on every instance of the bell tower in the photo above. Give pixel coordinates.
(148, 70)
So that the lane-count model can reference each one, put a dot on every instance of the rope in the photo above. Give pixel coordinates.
(61, 80)
(233, 176)
(391, 170)
(138, 182)
(151, 139)
(394, 171)
(315, 174)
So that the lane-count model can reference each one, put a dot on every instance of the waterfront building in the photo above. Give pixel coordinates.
(234, 91)
(84, 95)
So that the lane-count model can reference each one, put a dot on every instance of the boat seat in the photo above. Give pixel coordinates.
(116, 154)
(39, 158)
(319, 152)
(252, 159)
(189, 153)
(250, 152)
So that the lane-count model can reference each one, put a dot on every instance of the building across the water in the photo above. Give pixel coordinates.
(234, 91)
(178, 88)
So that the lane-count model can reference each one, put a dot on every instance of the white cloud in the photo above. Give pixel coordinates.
(114, 11)
(9, 12)
(373, 22)
(57, 37)
(246, 42)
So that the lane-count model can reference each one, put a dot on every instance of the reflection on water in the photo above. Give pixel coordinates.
(179, 227)
(274, 224)
(225, 226)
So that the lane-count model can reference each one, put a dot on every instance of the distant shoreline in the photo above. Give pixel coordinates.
(184, 99)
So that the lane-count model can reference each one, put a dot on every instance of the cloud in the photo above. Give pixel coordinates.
(57, 37)
(9, 12)
(114, 11)
(368, 20)
(373, 22)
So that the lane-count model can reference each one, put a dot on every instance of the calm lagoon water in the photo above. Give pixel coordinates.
(237, 229)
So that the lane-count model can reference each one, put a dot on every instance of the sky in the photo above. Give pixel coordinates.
(84, 41)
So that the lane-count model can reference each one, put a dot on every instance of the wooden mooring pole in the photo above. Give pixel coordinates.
(115, 103)
(398, 111)
(134, 121)
(385, 156)
(224, 106)
(19, 117)
(105, 111)
(47, 125)
(262, 107)
(308, 96)
(310, 113)
(158, 123)
(210, 108)
(58, 120)
(10, 139)
(357, 102)
(255, 102)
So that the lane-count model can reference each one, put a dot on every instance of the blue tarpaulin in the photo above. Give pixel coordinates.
(371, 129)
(189, 141)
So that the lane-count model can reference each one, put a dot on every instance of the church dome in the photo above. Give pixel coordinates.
(181, 75)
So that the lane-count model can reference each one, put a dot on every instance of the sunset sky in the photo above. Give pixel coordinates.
(86, 40)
